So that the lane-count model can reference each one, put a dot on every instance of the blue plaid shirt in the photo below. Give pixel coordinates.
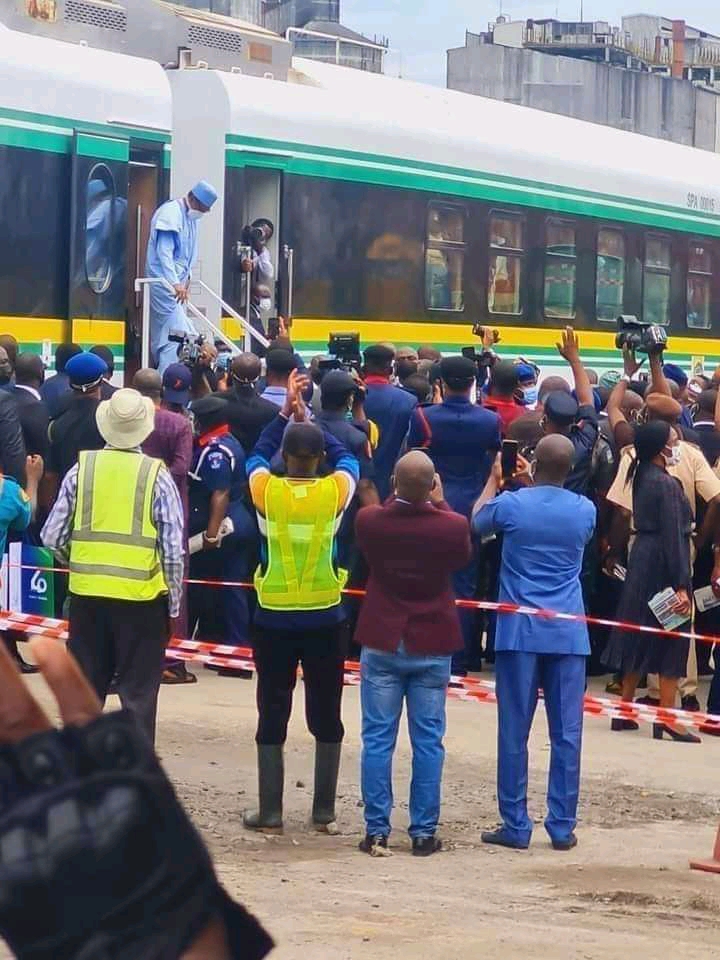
(167, 514)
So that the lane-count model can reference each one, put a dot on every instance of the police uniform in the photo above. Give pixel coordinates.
(219, 465)
(462, 439)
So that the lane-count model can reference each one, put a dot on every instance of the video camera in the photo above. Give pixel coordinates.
(252, 237)
(638, 336)
(343, 353)
(191, 346)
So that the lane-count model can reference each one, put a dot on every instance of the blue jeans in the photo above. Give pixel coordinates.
(517, 679)
(388, 679)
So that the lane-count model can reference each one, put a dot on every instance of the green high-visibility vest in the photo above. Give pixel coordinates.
(300, 575)
(114, 543)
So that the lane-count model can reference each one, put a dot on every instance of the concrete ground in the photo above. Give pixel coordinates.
(624, 892)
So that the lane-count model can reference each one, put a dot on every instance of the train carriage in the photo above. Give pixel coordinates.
(402, 211)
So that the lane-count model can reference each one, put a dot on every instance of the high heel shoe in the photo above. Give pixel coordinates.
(619, 723)
(660, 729)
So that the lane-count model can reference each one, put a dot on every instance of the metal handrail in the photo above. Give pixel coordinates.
(142, 282)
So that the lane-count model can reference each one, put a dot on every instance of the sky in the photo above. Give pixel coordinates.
(420, 33)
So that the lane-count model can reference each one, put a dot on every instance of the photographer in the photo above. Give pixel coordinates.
(257, 236)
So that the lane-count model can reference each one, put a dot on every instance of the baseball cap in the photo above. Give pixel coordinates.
(561, 408)
(85, 371)
(177, 380)
(336, 383)
(673, 372)
(457, 371)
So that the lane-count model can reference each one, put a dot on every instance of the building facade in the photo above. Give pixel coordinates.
(596, 73)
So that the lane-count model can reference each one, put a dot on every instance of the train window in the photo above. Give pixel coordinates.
(656, 280)
(99, 228)
(560, 269)
(610, 274)
(444, 257)
(507, 260)
(699, 285)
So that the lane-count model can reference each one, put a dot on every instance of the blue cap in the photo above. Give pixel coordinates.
(85, 371)
(177, 381)
(673, 372)
(525, 372)
(204, 193)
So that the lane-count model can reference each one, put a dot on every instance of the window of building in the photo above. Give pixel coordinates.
(699, 285)
(656, 280)
(444, 257)
(99, 228)
(610, 274)
(507, 261)
(560, 269)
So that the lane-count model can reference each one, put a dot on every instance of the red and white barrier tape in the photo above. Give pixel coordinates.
(487, 605)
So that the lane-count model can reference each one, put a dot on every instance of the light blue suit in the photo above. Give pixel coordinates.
(545, 530)
(172, 252)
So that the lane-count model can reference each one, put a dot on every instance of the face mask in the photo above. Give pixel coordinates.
(674, 458)
(530, 396)
(195, 214)
(265, 303)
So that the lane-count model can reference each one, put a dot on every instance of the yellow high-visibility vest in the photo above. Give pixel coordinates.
(300, 517)
(113, 546)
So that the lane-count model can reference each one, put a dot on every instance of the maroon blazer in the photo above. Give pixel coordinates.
(411, 550)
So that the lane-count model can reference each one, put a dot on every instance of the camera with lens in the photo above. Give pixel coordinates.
(252, 237)
(638, 336)
(343, 353)
(191, 345)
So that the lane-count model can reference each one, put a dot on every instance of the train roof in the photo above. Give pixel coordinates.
(367, 118)
(56, 79)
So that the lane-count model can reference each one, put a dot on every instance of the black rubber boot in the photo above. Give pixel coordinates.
(271, 779)
(327, 766)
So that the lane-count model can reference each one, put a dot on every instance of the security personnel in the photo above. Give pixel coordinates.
(461, 438)
(120, 517)
(76, 428)
(216, 492)
(300, 615)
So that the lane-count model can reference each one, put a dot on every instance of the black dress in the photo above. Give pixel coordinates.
(659, 558)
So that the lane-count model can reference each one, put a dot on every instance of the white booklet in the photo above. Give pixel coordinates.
(662, 606)
(705, 599)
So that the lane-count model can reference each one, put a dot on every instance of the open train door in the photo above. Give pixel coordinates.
(98, 243)
(146, 191)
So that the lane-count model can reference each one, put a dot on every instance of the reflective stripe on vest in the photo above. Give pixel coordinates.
(113, 547)
(300, 517)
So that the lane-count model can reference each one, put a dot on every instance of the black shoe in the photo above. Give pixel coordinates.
(690, 703)
(426, 846)
(565, 844)
(648, 701)
(619, 723)
(660, 729)
(501, 838)
(234, 672)
(373, 845)
(25, 667)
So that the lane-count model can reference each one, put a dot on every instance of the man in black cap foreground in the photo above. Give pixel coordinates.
(75, 429)
(461, 438)
(220, 518)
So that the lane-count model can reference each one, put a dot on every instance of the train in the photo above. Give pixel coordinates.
(403, 212)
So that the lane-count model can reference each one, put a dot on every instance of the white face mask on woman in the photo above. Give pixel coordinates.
(673, 458)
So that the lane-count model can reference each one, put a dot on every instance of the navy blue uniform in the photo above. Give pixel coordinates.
(390, 409)
(462, 440)
(219, 464)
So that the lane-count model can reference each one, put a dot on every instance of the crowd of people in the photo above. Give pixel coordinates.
(416, 478)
